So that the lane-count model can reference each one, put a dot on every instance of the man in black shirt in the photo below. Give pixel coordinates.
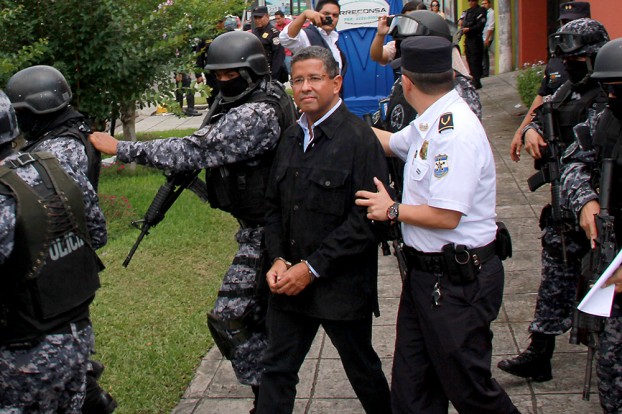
(472, 25)
(323, 248)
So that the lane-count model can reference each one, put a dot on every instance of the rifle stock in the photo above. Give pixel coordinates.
(166, 196)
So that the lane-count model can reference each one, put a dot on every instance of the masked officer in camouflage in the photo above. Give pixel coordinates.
(50, 226)
(235, 145)
(578, 99)
(600, 139)
(41, 97)
(417, 23)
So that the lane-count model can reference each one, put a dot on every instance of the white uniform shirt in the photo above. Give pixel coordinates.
(302, 40)
(449, 165)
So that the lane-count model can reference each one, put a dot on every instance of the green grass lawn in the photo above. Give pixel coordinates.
(150, 318)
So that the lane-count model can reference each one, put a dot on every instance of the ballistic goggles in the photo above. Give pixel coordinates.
(402, 25)
(568, 42)
(612, 88)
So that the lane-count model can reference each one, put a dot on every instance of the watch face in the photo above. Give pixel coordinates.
(393, 211)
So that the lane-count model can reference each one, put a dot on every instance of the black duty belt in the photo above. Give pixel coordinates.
(437, 262)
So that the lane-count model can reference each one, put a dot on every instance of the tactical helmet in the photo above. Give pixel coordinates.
(419, 23)
(236, 50)
(581, 37)
(608, 64)
(8, 121)
(41, 89)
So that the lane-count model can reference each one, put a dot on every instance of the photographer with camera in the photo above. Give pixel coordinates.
(321, 32)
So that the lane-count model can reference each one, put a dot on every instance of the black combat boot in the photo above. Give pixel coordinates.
(96, 401)
(535, 362)
(255, 389)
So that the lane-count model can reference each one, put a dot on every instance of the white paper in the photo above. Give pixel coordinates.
(598, 301)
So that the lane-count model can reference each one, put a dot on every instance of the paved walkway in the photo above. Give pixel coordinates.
(323, 386)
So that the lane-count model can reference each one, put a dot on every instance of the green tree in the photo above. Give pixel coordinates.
(117, 56)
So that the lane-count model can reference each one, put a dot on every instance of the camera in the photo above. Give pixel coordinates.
(327, 20)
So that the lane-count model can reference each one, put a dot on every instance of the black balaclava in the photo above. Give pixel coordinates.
(615, 103)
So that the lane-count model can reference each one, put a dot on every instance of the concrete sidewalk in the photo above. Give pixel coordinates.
(323, 386)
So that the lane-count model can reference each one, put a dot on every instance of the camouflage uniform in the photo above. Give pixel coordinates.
(95, 221)
(241, 133)
(467, 91)
(49, 377)
(69, 150)
(240, 275)
(558, 287)
(609, 364)
(578, 191)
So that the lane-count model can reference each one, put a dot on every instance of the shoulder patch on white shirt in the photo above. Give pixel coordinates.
(446, 122)
(441, 165)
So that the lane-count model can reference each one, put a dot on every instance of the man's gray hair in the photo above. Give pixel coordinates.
(319, 53)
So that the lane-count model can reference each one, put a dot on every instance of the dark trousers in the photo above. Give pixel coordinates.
(290, 335)
(474, 50)
(444, 353)
(183, 87)
(486, 61)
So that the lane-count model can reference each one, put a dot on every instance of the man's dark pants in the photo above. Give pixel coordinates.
(486, 61)
(443, 353)
(290, 335)
(474, 50)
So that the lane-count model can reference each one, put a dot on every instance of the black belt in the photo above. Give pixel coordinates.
(61, 330)
(66, 328)
(436, 262)
(249, 224)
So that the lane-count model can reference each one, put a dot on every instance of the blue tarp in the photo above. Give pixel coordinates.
(366, 82)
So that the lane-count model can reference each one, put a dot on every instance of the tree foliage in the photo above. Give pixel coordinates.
(115, 55)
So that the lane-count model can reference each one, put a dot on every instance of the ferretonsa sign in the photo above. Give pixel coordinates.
(361, 13)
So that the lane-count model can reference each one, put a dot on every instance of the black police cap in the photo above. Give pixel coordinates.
(260, 11)
(574, 10)
(425, 54)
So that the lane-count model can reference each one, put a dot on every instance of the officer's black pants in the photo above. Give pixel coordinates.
(474, 50)
(183, 87)
(444, 353)
(290, 335)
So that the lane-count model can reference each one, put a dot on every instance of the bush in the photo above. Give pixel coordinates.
(528, 81)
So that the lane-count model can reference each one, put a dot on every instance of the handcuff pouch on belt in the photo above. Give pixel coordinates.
(503, 241)
(461, 266)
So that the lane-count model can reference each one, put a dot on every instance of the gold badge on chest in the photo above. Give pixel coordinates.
(423, 152)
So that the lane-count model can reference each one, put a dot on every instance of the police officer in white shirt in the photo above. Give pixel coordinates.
(454, 286)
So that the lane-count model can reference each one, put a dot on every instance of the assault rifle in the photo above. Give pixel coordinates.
(164, 199)
(586, 327)
(550, 169)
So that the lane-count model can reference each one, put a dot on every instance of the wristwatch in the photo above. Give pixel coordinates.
(393, 212)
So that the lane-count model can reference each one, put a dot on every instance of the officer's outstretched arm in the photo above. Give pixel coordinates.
(378, 204)
(384, 137)
(517, 141)
(104, 142)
